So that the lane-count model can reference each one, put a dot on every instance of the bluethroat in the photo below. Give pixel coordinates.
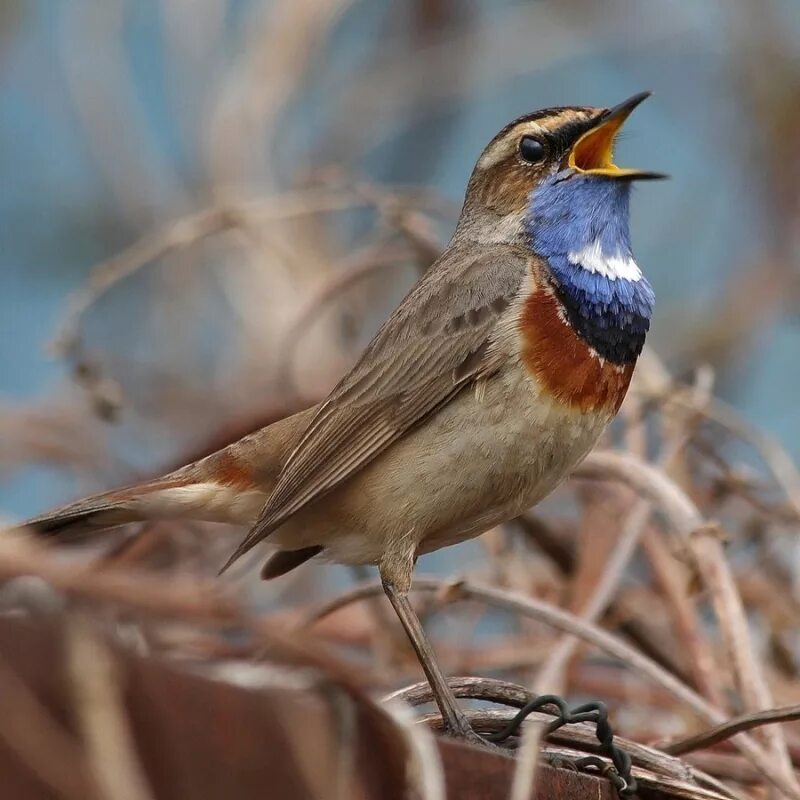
(492, 379)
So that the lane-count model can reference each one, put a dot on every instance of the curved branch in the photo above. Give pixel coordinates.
(568, 623)
(516, 696)
(647, 481)
(744, 722)
(703, 540)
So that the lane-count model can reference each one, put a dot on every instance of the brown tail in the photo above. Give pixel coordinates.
(230, 485)
(157, 499)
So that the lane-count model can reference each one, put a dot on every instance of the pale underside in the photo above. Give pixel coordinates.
(482, 459)
(441, 338)
(485, 457)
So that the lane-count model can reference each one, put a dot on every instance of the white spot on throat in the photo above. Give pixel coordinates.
(616, 267)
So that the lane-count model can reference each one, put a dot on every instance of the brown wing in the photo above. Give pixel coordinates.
(436, 341)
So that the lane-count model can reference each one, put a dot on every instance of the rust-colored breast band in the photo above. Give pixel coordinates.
(563, 363)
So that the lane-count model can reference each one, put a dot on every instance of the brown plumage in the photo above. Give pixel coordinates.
(472, 402)
(433, 345)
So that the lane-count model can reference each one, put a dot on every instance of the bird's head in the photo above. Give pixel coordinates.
(558, 156)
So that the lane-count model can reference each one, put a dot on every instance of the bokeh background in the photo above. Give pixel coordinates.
(207, 207)
(283, 170)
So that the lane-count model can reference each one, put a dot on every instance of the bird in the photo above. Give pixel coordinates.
(489, 383)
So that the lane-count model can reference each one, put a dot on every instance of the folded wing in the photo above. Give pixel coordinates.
(438, 340)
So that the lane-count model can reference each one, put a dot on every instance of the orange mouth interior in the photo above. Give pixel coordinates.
(593, 153)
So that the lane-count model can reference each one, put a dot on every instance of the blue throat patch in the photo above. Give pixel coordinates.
(609, 309)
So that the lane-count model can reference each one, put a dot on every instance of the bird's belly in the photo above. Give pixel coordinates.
(482, 459)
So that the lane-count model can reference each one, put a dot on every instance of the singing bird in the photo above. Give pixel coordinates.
(487, 385)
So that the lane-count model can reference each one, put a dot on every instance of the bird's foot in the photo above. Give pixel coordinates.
(460, 729)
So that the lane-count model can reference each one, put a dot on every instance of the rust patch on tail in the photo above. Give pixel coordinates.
(564, 364)
(227, 470)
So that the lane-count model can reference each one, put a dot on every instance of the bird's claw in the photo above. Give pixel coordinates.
(464, 732)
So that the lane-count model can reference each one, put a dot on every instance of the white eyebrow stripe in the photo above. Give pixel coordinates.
(498, 150)
(614, 267)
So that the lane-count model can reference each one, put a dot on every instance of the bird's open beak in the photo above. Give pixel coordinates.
(593, 152)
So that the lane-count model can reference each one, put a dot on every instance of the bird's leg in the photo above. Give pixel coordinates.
(455, 721)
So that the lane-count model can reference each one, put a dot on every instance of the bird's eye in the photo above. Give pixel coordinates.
(531, 150)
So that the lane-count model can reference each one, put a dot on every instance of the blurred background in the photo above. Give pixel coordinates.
(207, 207)
(282, 171)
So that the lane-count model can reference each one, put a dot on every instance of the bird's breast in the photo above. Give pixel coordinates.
(562, 362)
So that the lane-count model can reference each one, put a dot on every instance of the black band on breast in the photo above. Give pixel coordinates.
(616, 334)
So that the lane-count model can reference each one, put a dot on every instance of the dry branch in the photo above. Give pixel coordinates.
(568, 623)
(723, 731)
